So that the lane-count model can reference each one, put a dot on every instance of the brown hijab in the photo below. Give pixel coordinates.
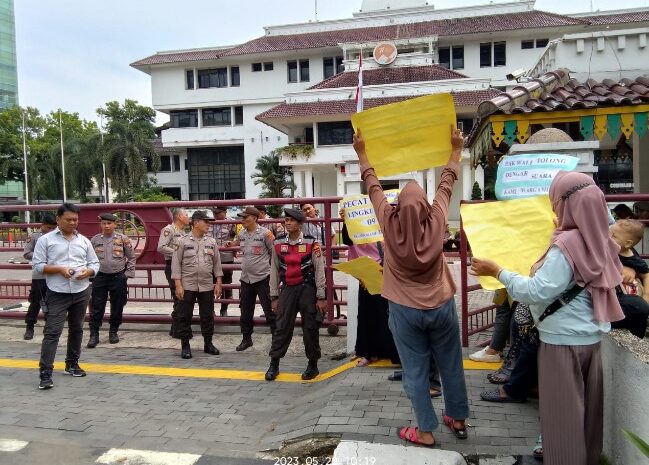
(414, 236)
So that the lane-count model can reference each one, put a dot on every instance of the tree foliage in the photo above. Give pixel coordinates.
(276, 181)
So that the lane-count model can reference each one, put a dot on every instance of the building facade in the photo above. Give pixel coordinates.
(294, 86)
(8, 71)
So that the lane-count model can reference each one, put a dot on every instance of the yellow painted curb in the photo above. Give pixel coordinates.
(215, 373)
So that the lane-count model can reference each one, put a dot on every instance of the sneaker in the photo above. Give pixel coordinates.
(46, 383)
(483, 356)
(73, 368)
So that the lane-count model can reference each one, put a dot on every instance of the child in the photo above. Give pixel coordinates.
(634, 294)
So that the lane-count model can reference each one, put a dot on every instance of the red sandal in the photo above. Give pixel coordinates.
(409, 433)
(460, 433)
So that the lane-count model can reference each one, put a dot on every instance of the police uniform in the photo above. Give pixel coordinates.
(257, 248)
(298, 266)
(196, 264)
(38, 289)
(225, 233)
(116, 264)
(168, 244)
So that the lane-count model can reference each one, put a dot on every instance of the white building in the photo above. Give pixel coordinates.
(295, 84)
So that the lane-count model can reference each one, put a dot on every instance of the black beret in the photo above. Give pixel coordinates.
(107, 217)
(294, 213)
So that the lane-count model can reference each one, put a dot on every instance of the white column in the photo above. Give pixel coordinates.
(340, 183)
(479, 177)
(308, 183)
(298, 178)
(467, 182)
(419, 178)
(352, 312)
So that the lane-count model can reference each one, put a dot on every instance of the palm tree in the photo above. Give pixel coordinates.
(126, 148)
(275, 180)
(83, 164)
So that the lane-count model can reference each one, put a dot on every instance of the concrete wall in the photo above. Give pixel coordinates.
(626, 395)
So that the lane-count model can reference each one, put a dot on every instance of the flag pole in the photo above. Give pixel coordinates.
(27, 217)
(65, 197)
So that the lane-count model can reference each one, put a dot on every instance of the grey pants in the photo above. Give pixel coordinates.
(59, 308)
(571, 404)
(502, 326)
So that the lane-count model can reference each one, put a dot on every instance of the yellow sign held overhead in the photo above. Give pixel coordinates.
(408, 136)
(513, 233)
(366, 270)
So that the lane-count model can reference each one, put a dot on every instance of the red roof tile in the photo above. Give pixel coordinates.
(391, 75)
(348, 107)
(447, 27)
(619, 18)
(196, 55)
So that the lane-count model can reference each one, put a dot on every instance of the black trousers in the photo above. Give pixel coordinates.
(248, 295)
(59, 308)
(36, 294)
(104, 284)
(205, 311)
(524, 376)
(226, 279)
(294, 299)
(173, 332)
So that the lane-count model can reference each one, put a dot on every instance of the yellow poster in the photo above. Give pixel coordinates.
(360, 218)
(408, 136)
(513, 233)
(366, 270)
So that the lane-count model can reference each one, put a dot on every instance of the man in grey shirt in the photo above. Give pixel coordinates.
(39, 288)
(224, 233)
(257, 247)
(67, 259)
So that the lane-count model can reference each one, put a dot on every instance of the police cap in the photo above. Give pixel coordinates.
(249, 211)
(199, 215)
(295, 214)
(107, 217)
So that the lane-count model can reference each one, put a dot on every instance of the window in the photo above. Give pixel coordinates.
(332, 66)
(292, 71)
(527, 44)
(485, 55)
(176, 162)
(238, 116)
(217, 77)
(235, 77)
(335, 133)
(217, 116)
(189, 78)
(541, 43)
(304, 70)
(216, 173)
(256, 67)
(165, 163)
(500, 53)
(268, 66)
(184, 118)
(445, 57)
(465, 124)
(457, 52)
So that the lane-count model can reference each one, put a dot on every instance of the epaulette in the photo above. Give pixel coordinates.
(281, 237)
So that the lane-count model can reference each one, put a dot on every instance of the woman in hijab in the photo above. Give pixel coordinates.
(420, 290)
(582, 252)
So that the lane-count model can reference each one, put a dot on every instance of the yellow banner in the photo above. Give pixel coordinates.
(513, 233)
(366, 270)
(408, 136)
(360, 218)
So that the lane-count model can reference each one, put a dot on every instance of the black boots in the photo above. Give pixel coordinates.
(246, 343)
(273, 369)
(94, 338)
(113, 338)
(311, 370)
(29, 333)
(46, 379)
(185, 351)
(209, 348)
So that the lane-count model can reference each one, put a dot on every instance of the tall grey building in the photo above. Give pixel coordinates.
(8, 74)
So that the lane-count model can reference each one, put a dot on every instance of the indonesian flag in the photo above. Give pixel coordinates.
(359, 88)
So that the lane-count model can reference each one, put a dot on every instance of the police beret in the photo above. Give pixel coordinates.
(249, 211)
(107, 217)
(199, 215)
(219, 209)
(294, 213)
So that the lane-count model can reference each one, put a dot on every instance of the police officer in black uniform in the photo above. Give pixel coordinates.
(298, 266)
(116, 264)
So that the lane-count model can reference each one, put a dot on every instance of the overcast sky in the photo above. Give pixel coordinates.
(75, 54)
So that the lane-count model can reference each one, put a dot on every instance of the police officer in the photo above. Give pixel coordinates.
(276, 228)
(196, 270)
(168, 244)
(224, 233)
(39, 286)
(297, 264)
(257, 246)
(116, 264)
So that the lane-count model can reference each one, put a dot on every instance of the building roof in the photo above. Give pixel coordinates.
(557, 91)
(332, 38)
(391, 75)
(617, 18)
(348, 107)
(157, 145)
